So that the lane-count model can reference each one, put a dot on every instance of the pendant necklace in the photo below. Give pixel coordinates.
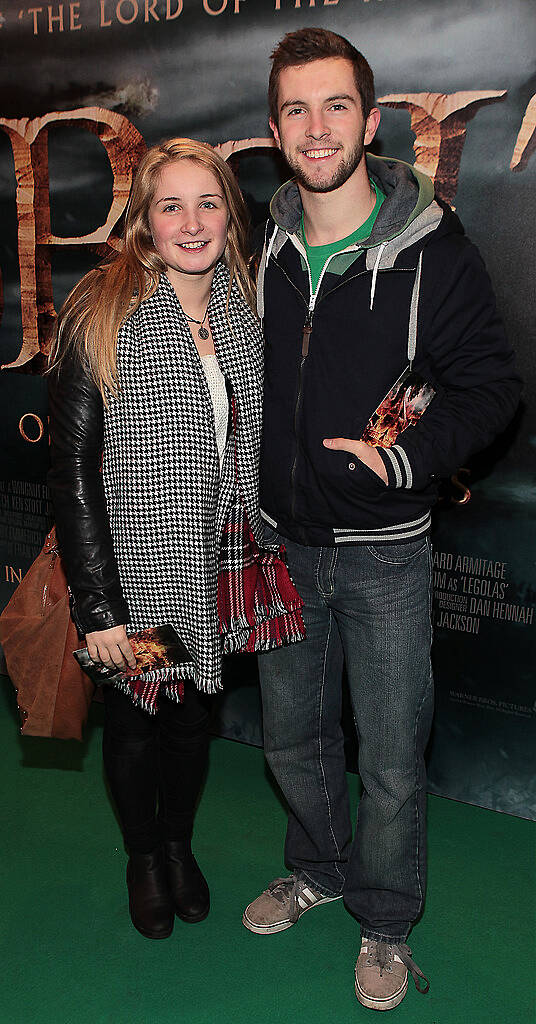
(202, 330)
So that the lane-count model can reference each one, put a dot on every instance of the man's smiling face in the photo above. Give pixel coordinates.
(321, 130)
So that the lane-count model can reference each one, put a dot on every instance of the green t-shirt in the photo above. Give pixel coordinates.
(318, 254)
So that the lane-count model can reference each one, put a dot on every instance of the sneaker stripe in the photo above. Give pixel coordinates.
(269, 912)
(310, 895)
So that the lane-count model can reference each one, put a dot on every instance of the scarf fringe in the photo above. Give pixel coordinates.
(144, 700)
(186, 670)
(208, 688)
(240, 645)
(270, 631)
(144, 689)
(240, 624)
(264, 612)
(236, 640)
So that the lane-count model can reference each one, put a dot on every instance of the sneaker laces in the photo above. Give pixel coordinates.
(381, 954)
(288, 890)
(405, 955)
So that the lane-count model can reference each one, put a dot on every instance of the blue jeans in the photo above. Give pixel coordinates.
(369, 607)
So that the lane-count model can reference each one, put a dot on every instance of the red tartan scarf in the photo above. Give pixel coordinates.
(259, 608)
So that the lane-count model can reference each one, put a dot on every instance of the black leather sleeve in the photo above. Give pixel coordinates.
(77, 494)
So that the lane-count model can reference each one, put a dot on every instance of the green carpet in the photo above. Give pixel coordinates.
(70, 955)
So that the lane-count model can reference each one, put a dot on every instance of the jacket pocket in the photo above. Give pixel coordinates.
(353, 475)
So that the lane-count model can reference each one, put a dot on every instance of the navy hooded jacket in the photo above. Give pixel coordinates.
(415, 294)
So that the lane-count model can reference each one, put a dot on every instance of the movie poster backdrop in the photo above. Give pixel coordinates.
(86, 86)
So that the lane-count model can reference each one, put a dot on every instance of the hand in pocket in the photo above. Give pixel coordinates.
(364, 452)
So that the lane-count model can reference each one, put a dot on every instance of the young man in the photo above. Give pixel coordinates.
(363, 277)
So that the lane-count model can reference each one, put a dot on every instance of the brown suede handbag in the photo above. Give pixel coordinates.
(38, 637)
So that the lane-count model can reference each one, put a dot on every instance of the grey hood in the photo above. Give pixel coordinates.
(408, 212)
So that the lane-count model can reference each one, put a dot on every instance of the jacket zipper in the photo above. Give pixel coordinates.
(305, 341)
(306, 337)
(307, 328)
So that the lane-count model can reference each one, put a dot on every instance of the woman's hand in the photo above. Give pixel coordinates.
(111, 647)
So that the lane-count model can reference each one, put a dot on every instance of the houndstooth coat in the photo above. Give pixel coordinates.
(166, 502)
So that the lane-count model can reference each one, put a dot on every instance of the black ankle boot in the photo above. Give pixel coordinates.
(188, 887)
(150, 901)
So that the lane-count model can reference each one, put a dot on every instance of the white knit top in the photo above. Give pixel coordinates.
(220, 402)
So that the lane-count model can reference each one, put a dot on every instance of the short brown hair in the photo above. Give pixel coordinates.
(308, 44)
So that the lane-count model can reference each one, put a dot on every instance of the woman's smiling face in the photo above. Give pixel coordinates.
(188, 217)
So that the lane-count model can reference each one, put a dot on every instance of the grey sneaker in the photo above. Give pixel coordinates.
(281, 904)
(381, 974)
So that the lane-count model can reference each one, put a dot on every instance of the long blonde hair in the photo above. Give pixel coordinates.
(103, 299)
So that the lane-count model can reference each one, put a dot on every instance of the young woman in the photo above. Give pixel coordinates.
(153, 349)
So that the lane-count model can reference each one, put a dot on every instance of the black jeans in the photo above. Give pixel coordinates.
(155, 765)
